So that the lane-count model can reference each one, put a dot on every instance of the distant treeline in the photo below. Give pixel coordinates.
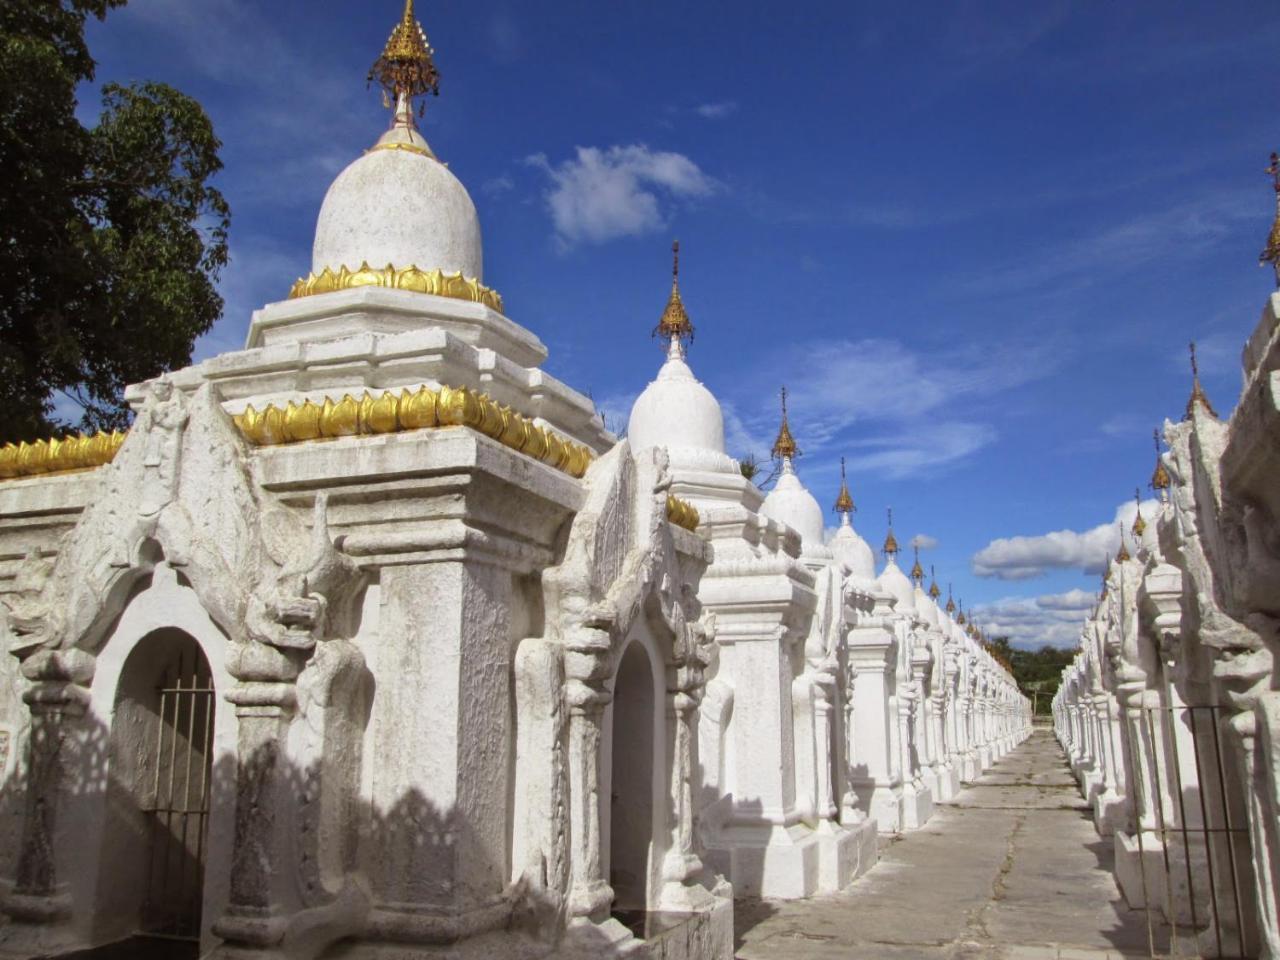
(1038, 672)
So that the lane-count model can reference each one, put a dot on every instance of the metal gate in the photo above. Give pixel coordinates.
(179, 814)
(1196, 864)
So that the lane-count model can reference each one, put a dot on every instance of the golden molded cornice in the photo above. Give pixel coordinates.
(682, 513)
(59, 456)
(392, 412)
(436, 282)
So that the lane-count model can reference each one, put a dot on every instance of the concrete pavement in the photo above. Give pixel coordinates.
(1013, 870)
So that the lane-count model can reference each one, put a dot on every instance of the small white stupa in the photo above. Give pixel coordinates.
(789, 501)
(892, 579)
(849, 548)
(675, 410)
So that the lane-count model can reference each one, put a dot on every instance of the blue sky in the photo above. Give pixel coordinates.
(971, 238)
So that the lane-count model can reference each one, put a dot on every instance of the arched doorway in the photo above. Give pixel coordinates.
(161, 756)
(632, 788)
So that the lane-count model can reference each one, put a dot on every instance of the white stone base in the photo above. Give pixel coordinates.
(885, 804)
(1108, 812)
(917, 806)
(764, 861)
(949, 783)
(843, 853)
(1129, 872)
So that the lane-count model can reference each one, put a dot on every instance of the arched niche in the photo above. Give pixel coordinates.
(162, 634)
(635, 795)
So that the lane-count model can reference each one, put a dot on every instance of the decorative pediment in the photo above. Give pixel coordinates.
(180, 489)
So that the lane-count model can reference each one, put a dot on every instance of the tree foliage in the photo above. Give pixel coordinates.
(1037, 672)
(111, 237)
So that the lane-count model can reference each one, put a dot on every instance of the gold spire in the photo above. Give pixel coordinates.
(917, 571)
(406, 68)
(934, 592)
(784, 448)
(1123, 555)
(844, 502)
(890, 548)
(1160, 478)
(1139, 525)
(951, 603)
(675, 323)
(960, 616)
(1271, 252)
(1197, 391)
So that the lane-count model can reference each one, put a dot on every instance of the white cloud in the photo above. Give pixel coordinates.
(1127, 425)
(1166, 234)
(497, 186)
(1031, 622)
(906, 405)
(601, 195)
(716, 111)
(1023, 558)
(924, 541)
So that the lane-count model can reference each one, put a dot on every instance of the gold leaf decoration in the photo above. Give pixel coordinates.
(390, 412)
(79, 452)
(435, 282)
(682, 513)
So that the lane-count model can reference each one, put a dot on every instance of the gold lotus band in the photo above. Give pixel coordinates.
(80, 452)
(392, 412)
(682, 513)
(435, 282)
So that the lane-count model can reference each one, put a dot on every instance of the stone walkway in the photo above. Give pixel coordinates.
(1013, 870)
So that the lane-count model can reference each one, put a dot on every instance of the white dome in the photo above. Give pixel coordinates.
(790, 503)
(677, 412)
(925, 606)
(401, 206)
(895, 582)
(854, 552)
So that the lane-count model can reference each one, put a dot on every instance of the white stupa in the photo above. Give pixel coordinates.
(892, 579)
(398, 206)
(789, 501)
(849, 548)
(675, 410)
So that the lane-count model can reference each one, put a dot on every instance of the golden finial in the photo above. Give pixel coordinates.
(1123, 555)
(784, 448)
(960, 616)
(844, 502)
(1197, 392)
(951, 603)
(934, 592)
(1139, 525)
(1160, 478)
(1271, 252)
(917, 571)
(675, 323)
(890, 548)
(406, 68)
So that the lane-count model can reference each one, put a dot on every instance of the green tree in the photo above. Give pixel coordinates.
(111, 238)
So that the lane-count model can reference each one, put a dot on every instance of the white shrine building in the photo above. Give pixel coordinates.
(369, 640)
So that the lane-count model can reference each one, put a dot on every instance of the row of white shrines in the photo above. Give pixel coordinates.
(371, 641)
(1170, 713)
